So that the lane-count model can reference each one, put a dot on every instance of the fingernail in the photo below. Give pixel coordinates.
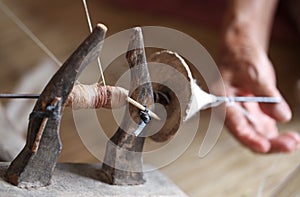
(283, 111)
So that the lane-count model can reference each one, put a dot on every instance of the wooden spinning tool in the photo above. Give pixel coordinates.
(181, 96)
(34, 165)
(123, 159)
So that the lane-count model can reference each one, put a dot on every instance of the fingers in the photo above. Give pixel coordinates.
(256, 75)
(286, 142)
(260, 134)
(251, 72)
(279, 111)
(241, 129)
(261, 123)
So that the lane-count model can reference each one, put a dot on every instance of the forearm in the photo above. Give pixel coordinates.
(251, 20)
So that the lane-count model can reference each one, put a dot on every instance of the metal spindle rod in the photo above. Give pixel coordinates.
(249, 99)
(20, 96)
(36, 96)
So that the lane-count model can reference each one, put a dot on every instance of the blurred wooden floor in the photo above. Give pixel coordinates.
(228, 170)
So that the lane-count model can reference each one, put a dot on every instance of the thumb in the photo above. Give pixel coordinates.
(279, 111)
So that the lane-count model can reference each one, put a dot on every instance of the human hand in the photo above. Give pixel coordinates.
(247, 71)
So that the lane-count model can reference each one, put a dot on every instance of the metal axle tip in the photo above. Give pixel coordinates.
(20, 96)
(141, 107)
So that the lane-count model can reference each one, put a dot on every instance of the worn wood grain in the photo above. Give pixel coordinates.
(33, 168)
(228, 170)
(123, 162)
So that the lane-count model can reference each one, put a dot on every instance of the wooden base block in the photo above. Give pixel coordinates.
(71, 179)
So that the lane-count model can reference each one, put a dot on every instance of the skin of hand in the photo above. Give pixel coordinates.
(247, 71)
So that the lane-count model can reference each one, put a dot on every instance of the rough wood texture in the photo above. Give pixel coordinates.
(80, 180)
(229, 170)
(34, 169)
(123, 159)
(174, 93)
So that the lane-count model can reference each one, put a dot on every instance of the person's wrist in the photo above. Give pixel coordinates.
(239, 42)
(240, 34)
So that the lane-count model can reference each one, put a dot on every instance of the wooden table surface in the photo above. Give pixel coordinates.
(228, 170)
